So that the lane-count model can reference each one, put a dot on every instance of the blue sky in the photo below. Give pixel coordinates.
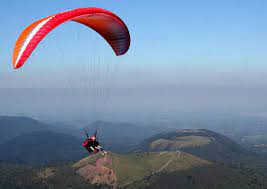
(195, 55)
(173, 43)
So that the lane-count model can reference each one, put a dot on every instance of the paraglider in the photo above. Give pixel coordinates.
(104, 22)
(92, 145)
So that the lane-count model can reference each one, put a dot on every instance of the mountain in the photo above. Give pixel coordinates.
(26, 140)
(118, 137)
(11, 127)
(207, 145)
(188, 159)
(200, 142)
(41, 147)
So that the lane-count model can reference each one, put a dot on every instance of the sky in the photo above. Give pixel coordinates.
(175, 45)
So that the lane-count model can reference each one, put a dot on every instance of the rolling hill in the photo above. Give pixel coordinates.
(26, 140)
(142, 170)
(188, 159)
(127, 169)
(118, 137)
(200, 142)
(41, 147)
(11, 127)
(162, 169)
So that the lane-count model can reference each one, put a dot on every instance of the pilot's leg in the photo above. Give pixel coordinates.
(101, 149)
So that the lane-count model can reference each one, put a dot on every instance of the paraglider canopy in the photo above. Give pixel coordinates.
(104, 22)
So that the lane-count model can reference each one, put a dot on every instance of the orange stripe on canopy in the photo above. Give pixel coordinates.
(23, 36)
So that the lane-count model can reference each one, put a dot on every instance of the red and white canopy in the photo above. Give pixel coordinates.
(104, 22)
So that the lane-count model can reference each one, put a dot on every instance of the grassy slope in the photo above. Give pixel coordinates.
(210, 177)
(135, 171)
(135, 167)
(214, 147)
(184, 170)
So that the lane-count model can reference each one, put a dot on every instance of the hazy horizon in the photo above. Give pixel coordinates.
(132, 104)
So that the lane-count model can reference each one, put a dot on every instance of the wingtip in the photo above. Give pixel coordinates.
(16, 66)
